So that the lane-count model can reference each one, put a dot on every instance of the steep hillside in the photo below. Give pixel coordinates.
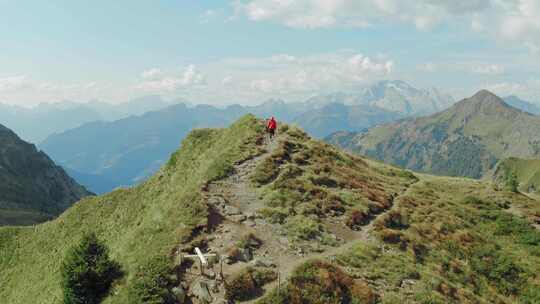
(32, 188)
(465, 140)
(524, 174)
(334, 228)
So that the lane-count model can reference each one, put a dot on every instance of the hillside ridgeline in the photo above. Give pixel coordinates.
(334, 228)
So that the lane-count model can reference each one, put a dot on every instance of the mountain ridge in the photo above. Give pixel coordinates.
(423, 238)
(482, 128)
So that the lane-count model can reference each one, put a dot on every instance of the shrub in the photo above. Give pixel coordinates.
(530, 295)
(88, 272)
(391, 236)
(244, 285)
(319, 282)
(508, 224)
(396, 220)
(274, 215)
(356, 218)
(303, 228)
(249, 241)
(498, 268)
(152, 281)
(511, 182)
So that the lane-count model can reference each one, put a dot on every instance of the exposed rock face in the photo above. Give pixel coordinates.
(32, 187)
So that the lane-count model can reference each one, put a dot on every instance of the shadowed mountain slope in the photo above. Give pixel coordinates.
(32, 188)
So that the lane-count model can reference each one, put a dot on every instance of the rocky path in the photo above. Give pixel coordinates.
(236, 202)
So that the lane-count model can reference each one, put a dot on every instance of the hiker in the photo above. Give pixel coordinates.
(271, 127)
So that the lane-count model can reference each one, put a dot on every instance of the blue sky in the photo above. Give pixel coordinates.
(247, 51)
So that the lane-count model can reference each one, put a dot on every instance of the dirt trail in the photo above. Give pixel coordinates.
(237, 201)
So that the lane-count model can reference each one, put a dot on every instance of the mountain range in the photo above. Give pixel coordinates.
(465, 140)
(293, 220)
(105, 155)
(58, 117)
(32, 187)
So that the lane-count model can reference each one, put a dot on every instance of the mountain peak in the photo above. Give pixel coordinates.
(483, 100)
(485, 95)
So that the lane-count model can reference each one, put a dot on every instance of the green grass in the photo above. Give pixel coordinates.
(138, 224)
(525, 171)
(446, 240)
(304, 181)
(459, 245)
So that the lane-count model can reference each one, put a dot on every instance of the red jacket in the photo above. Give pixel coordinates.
(272, 124)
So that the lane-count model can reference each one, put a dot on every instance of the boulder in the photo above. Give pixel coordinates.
(200, 290)
(231, 210)
(237, 218)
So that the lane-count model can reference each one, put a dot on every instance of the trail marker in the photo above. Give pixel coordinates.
(201, 257)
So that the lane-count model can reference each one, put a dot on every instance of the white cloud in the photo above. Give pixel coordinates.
(159, 81)
(13, 83)
(296, 77)
(488, 69)
(151, 73)
(353, 13)
(506, 20)
(480, 68)
(192, 76)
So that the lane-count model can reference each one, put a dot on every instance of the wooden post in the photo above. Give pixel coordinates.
(201, 257)
(279, 276)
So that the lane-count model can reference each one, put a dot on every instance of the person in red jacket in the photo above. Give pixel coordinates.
(271, 127)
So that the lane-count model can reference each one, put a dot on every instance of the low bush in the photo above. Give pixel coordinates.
(498, 268)
(88, 272)
(319, 282)
(152, 281)
(274, 215)
(303, 228)
(356, 218)
(244, 285)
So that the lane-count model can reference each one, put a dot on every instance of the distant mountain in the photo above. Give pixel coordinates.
(394, 96)
(334, 117)
(58, 117)
(105, 155)
(466, 140)
(523, 105)
(32, 187)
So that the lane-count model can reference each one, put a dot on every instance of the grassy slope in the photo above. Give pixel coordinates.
(137, 224)
(455, 239)
(451, 237)
(527, 172)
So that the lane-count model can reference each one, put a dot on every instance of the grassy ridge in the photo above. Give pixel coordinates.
(137, 224)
